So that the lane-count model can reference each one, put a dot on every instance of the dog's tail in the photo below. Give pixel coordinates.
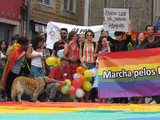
(14, 90)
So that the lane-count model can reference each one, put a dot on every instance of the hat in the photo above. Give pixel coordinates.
(63, 58)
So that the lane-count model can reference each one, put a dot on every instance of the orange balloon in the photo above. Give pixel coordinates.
(80, 70)
(60, 88)
(82, 79)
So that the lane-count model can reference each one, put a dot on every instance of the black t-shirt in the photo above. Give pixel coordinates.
(59, 45)
(154, 44)
(155, 39)
(120, 45)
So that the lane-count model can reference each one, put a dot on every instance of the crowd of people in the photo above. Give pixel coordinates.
(24, 59)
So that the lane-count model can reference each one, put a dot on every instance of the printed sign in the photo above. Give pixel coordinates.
(116, 19)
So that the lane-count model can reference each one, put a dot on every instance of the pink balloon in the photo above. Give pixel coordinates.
(76, 76)
(72, 90)
(76, 83)
(79, 93)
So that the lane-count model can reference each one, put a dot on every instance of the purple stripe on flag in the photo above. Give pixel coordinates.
(129, 92)
(128, 85)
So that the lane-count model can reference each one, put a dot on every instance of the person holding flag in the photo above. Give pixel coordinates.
(13, 65)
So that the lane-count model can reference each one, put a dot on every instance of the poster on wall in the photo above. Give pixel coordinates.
(116, 19)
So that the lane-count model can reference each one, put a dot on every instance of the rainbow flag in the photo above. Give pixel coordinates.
(15, 53)
(131, 73)
(134, 35)
(77, 111)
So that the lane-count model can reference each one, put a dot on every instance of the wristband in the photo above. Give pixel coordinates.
(82, 62)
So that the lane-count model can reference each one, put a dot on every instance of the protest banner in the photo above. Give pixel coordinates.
(116, 19)
(131, 73)
(53, 31)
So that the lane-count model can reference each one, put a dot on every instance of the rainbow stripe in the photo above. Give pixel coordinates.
(77, 111)
(131, 73)
(88, 53)
(134, 35)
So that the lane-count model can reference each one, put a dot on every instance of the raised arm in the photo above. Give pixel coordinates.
(129, 33)
(129, 27)
(66, 48)
(28, 53)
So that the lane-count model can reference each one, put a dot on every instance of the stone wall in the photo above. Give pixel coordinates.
(140, 11)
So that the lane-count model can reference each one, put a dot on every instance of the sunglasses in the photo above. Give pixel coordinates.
(62, 33)
(89, 35)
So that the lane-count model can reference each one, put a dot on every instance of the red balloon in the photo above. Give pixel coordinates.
(76, 83)
(72, 90)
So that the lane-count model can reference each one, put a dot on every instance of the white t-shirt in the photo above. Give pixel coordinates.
(37, 60)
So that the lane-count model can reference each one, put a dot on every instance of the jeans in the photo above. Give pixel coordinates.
(89, 65)
(1, 92)
(156, 98)
(52, 89)
(93, 91)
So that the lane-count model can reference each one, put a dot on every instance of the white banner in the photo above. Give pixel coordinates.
(53, 31)
(116, 19)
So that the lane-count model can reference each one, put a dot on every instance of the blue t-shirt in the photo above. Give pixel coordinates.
(16, 67)
(139, 48)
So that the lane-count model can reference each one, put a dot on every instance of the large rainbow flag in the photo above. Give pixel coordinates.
(130, 73)
(77, 111)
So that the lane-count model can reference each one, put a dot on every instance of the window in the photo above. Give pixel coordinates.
(69, 5)
(45, 1)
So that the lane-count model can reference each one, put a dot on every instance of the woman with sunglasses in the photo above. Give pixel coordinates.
(71, 51)
(87, 59)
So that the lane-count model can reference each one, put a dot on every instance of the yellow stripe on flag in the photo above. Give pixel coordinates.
(129, 67)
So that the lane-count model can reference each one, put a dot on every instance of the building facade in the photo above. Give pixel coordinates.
(10, 19)
(140, 11)
(64, 11)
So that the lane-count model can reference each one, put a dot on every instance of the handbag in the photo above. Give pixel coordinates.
(25, 69)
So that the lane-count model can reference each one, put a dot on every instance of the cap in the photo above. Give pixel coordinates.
(63, 58)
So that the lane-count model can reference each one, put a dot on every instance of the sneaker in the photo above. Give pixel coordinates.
(153, 102)
(1, 99)
(5, 99)
(52, 100)
(130, 102)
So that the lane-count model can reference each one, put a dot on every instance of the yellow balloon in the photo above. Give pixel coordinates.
(59, 61)
(68, 81)
(50, 61)
(87, 73)
(87, 86)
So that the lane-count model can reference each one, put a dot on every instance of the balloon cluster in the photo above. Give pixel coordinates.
(53, 61)
(81, 82)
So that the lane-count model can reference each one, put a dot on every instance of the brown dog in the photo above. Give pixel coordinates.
(32, 87)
